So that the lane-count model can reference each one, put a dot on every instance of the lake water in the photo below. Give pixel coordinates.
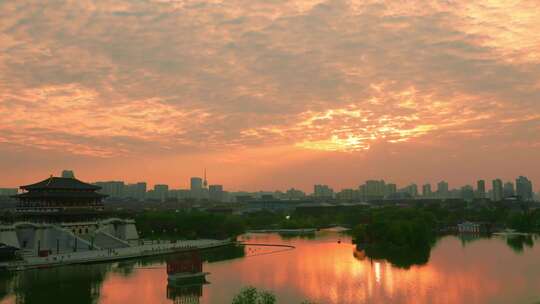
(459, 270)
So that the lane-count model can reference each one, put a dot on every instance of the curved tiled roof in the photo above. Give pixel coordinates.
(60, 183)
(60, 194)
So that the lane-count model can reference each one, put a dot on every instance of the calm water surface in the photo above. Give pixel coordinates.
(320, 269)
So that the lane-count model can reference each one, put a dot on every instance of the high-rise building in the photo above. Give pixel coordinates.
(68, 174)
(524, 188)
(114, 189)
(140, 190)
(508, 189)
(346, 195)
(375, 189)
(161, 192)
(196, 187)
(294, 194)
(412, 190)
(497, 190)
(180, 194)
(362, 193)
(136, 191)
(215, 193)
(442, 190)
(8, 191)
(426, 190)
(481, 189)
(467, 193)
(455, 194)
(323, 191)
(390, 189)
(196, 183)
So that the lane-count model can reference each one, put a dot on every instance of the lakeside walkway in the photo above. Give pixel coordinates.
(106, 255)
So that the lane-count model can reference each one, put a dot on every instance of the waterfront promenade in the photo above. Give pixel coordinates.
(96, 256)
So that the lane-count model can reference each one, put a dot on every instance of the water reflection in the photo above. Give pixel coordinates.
(321, 270)
(185, 293)
(84, 283)
(70, 284)
(6, 284)
(223, 253)
(516, 242)
(398, 258)
(468, 238)
(185, 277)
(292, 236)
(420, 255)
(519, 242)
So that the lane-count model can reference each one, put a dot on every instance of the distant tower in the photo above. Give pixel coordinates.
(497, 190)
(508, 189)
(426, 190)
(205, 183)
(442, 189)
(524, 188)
(196, 187)
(481, 189)
(68, 174)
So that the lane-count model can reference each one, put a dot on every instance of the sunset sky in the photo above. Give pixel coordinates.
(270, 94)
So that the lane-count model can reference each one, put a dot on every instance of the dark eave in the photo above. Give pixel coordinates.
(59, 195)
(60, 183)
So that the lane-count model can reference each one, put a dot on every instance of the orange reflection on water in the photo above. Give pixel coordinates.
(323, 271)
(146, 286)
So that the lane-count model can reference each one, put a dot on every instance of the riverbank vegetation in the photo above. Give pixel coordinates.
(404, 237)
(251, 295)
(391, 225)
(188, 225)
(397, 227)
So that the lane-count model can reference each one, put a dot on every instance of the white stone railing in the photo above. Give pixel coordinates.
(118, 253)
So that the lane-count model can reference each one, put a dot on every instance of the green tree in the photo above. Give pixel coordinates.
(250, 295)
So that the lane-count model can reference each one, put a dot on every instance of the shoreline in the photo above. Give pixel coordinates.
(304, 230)
(109, 255)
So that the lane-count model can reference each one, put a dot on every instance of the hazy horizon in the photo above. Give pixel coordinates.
(185, 184)
(270, 94)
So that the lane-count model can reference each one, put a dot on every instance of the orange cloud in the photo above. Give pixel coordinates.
(140, 79)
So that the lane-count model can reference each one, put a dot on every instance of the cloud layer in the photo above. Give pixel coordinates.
(115, 79)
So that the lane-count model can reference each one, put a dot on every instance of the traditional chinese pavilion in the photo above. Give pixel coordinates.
(59, 195)
(64, 214)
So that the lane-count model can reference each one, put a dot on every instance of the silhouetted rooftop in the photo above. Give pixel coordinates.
(60, 194)
(60, 183)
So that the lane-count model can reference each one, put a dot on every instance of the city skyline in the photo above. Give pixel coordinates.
(501, 187)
